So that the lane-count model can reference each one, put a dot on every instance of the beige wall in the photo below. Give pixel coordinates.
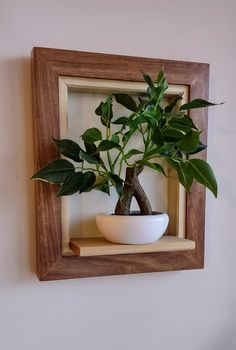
(189, 310)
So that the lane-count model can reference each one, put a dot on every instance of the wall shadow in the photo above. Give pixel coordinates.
(18, 154)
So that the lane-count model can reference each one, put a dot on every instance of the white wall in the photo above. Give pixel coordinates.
(189, 310)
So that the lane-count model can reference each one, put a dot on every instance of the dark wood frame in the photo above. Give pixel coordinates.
(48, 65)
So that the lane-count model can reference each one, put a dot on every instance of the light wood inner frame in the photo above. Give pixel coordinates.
(48, 66)
(176, 192)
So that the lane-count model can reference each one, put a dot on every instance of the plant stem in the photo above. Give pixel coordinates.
(110, 162)
(132, 188)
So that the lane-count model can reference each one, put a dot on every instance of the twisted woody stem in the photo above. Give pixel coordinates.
(132, 188)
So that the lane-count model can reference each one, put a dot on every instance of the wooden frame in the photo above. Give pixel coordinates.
(48, 66)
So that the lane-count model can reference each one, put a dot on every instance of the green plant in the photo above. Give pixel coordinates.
(167, 132)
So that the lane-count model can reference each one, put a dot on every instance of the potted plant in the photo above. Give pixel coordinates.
(166, 132)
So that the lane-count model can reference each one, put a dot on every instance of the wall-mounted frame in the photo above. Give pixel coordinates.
(55, 72)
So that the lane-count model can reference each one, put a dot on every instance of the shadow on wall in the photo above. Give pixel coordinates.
(17, 197)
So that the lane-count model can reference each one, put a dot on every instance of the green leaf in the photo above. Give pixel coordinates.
(152, 153)
(91, 159)
(198, 103)
(72, 184)
(117, 183)
(98, 110)
(203, 173)
(161, 79)
(89, 179)
(158, 92)
(55, 172)
(148, 79)
(184, 120)
(91, 148)
(157, 136)
(126, 136)
(105, 145)
(166, 150)
(104, 110)
(152, 114)
(180, 127)
(92, 135)
(185, 177)
(155, 94)
(132, 152)
(103, 187)
(115, 138)
(126, 101)
(107, 113)
(155, 166)
(68, 148)
(189, 142)
(199, 148)
(141, 119)
(141, 105)
(174, 101)
(121, 120)
(172, 135)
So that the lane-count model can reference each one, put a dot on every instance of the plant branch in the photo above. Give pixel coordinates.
(132, 188)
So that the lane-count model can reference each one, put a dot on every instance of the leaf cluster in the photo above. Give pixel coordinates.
(167, 132)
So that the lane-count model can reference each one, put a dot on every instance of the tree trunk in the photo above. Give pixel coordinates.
(132, 188)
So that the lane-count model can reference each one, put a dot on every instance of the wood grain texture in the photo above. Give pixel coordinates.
(48, 65)
(100, 246)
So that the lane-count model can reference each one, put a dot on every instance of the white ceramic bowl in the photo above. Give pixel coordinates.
(132, 229)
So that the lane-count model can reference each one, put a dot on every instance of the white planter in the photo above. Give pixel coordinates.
(132, 229)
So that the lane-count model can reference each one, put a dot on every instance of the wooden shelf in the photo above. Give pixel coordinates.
(99, 246)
